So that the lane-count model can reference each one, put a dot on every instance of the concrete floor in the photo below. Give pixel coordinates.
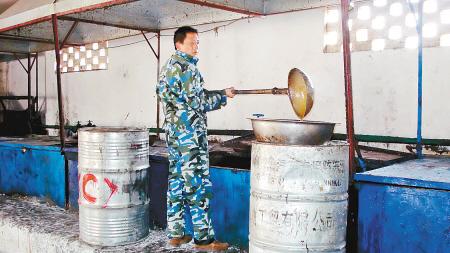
(30, 224)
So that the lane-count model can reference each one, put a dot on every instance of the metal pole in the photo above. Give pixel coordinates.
(61, 109)
(352, 200)
(37, 85)
(58, 82)
(419, 81)
(29, 91)
(157, 79)
(158, 59)
(348, 86)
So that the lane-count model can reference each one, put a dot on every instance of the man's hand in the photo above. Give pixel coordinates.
(229, 92)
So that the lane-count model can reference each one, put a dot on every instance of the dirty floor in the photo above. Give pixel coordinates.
(29, 224)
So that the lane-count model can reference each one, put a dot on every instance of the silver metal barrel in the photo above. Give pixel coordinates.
(298, 198)
(112, 178)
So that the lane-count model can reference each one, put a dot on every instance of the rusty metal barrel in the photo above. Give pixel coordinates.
(299, 198)
(112, 178)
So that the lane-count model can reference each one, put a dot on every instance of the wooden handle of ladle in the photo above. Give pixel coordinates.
(274, 91)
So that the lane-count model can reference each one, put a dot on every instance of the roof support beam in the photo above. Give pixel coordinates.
(151, 47)
(28, 39)
(72, 28)
(12, 53)
(32, 64)
(222, 5)
(89, 21)
(23, 66)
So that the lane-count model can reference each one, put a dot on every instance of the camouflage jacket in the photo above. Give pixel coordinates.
(181, 91)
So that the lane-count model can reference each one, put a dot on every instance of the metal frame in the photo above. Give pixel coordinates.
(32, 102)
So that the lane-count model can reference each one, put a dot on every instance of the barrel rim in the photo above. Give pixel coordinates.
(294, 121)
(282, 197)
(328, 144)
(112, 129)
(87, 205)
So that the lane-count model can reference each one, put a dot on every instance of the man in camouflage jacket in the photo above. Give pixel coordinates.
(185, 105)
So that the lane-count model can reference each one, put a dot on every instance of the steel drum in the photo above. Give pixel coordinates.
(298, 199)
(113, 185)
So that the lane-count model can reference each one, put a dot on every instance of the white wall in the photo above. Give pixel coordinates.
(259, 53)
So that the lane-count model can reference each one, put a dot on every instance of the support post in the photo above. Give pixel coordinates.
(419, 80)
(58, 82)
(60, 106)
(29, 66)
(352, 204)
(157, 79)
(36, 97)
(348, 86)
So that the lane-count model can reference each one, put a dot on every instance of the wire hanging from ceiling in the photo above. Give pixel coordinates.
(214, 29)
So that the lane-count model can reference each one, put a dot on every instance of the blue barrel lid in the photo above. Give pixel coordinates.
(30, 144)
(431, 173)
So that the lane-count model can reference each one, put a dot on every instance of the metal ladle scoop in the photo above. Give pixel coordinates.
(300, 91)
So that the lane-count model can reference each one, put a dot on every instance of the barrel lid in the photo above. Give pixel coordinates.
(432, 173)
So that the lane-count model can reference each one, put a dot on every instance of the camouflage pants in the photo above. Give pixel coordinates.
(189, 184)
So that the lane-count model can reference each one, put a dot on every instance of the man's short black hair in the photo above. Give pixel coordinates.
(180, 34)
